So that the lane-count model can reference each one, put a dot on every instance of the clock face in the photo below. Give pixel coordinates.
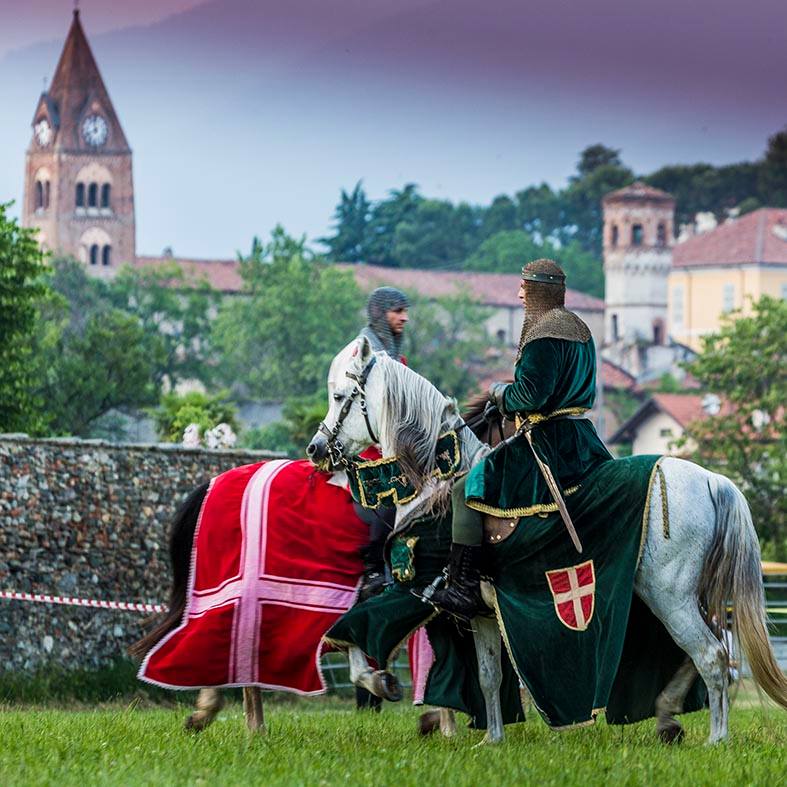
(94, 130)
(43, 132)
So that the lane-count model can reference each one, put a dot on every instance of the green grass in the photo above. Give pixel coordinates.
(326, 742)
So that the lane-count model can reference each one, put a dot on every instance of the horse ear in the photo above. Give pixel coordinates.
(365, 350)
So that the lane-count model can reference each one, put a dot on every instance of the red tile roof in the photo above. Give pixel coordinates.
(618, 378)
(223, 275)
(639, 192)
(491, 289)
(757, 237)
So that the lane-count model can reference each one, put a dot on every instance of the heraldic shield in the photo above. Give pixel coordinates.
(574, 593)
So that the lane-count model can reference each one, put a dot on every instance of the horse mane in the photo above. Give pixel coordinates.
(483, 429)
(413, 414)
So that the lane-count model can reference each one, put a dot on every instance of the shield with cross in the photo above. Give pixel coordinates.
(574, 594)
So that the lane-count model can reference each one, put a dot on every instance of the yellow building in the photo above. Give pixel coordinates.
(725, 269)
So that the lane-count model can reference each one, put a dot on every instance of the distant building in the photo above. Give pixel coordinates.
(638, 238)
(497, 291)
(724, 269)
(79, 191)
(659, 422)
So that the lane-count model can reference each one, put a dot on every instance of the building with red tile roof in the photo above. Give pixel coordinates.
(724, 270)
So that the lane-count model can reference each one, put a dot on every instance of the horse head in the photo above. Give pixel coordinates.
(355, 394)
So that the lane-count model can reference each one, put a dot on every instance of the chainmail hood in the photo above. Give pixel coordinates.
(379, 333)
(545, 314)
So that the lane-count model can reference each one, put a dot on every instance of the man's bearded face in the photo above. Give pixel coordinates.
(397, 319)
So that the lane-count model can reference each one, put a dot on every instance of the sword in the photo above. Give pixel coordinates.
(554, 490)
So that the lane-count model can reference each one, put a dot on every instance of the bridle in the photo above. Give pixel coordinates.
(335, 446)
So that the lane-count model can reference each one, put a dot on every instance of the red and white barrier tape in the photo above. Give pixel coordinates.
(128, 606)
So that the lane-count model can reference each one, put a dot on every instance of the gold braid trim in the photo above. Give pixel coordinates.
(539, 418)
(646, 511)
(664, 508)
(539, 508)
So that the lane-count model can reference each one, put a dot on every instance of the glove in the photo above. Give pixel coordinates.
(497, 392)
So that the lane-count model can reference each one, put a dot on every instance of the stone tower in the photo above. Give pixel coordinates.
(638, 239)
(79, 191)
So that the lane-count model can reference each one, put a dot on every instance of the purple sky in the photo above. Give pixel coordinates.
(243, 113)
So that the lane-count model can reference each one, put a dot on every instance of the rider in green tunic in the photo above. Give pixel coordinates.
(554, 386)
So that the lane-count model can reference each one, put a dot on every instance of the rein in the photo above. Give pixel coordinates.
(335, 446)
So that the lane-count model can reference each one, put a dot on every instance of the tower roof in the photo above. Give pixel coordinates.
(639, 192)
(76, 88)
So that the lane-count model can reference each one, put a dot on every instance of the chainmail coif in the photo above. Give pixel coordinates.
(545, 312)
(379, 333)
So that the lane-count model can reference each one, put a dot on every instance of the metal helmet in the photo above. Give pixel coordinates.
(381, 301)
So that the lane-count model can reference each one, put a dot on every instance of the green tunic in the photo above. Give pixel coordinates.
(553, 376)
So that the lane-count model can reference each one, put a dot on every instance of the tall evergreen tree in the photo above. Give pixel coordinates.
(351, 226)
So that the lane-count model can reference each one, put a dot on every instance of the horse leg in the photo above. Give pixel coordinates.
(486, 637)
(252, 707)
(670, 702)
(379, 682)
(209, 703)
(447, 723)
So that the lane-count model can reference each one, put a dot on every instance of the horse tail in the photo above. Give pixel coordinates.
(733, 575)
(181, 536)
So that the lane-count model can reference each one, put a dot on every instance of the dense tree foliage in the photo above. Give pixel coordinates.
(744, 365)
(21, 266)
(408, 230)
(296, 313)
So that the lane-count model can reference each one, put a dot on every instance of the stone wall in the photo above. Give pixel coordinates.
(88, 519)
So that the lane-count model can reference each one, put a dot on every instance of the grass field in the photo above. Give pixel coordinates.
(327, 742)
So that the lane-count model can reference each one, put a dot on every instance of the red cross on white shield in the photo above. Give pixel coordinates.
(574, 593)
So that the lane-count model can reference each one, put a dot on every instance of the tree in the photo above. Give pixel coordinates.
(177, 411)
(89, 367)
(21, 267)
(583, 202)
(595, 156)
(500, 216)
(296, 313)
(773, 172)
(507, 252)
(174, 310)
(744, 365)
(446, 342)
(435, 234)
(540, 211)
(385, 218)
(351, 227)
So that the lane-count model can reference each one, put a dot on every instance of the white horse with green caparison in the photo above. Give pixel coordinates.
(711, 558)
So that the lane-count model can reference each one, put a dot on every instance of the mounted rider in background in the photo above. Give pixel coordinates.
(554, 385)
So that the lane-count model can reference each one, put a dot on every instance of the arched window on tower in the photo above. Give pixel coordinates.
(46, 195)
(105, 193)
(636, 235)
(92, 195)
(94, 254)
(106, 256)
(658, 331)
(80, 195)
(39, 195)
(661, 235)
(613, 239)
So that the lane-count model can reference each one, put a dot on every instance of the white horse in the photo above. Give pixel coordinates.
(711, 558)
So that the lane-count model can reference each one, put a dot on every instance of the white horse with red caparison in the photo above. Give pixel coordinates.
(711, 558)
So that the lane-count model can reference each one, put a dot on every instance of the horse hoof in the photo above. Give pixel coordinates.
(429, 722)
(387, 686)
(671, 732)
(195, 724)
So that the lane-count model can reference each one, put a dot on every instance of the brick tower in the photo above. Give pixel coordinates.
(79, 191)
(638, 239)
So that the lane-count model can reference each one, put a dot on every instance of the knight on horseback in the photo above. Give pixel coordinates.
(386, 311)
(554, 387)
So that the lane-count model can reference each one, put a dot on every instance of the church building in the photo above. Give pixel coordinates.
(79, 191)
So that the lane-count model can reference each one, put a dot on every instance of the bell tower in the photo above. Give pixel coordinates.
(638, 240)
(79, 191)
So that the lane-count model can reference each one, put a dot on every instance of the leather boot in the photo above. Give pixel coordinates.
(461, 595)
(373, 580)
